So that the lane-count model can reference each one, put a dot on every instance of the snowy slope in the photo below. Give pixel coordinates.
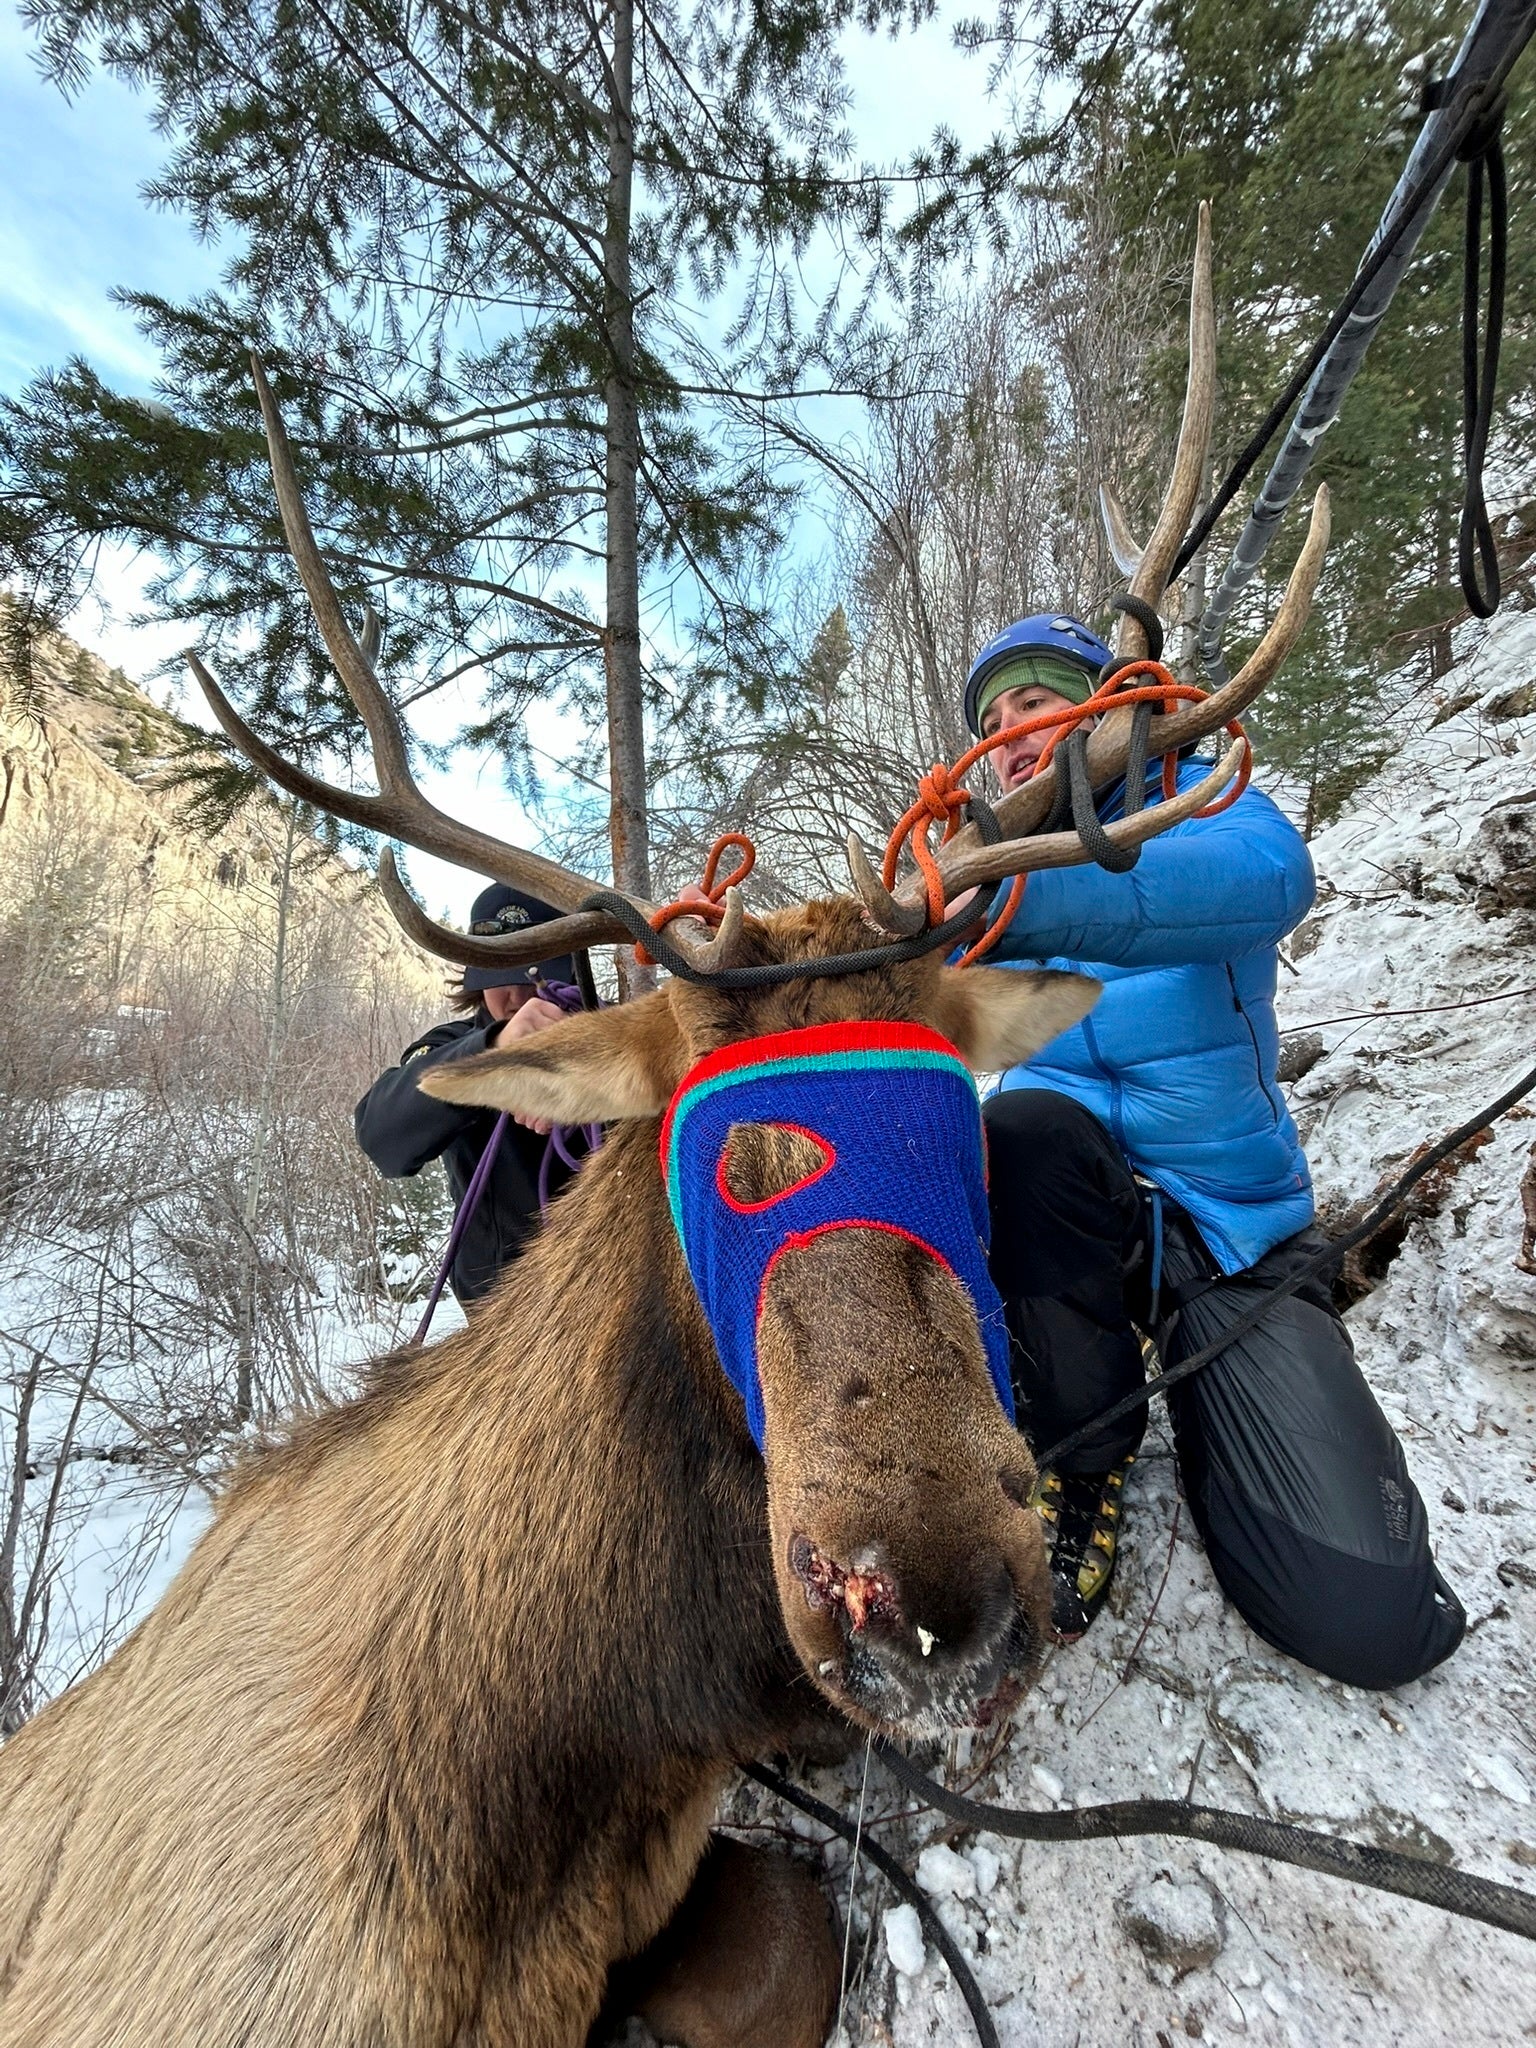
(1082, 1944)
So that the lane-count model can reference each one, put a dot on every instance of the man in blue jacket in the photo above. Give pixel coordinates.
(1147, 1177)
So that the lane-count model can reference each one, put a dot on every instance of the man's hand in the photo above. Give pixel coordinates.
(535, 1015)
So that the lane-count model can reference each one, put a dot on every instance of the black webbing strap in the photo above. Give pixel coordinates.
(1477, 560)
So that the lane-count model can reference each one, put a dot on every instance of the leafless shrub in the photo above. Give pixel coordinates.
(191, 1231)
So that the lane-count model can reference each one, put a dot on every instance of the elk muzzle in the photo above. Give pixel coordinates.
(911, 1570)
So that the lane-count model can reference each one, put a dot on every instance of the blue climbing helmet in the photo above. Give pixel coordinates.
(1056, 641)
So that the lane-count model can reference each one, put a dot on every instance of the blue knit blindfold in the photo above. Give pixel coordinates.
(894, 1111)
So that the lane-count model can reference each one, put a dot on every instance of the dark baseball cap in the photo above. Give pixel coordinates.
(499, 910)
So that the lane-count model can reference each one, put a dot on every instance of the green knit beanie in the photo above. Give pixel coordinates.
(1036, 672)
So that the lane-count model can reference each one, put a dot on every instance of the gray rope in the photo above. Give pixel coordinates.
(1498, 34)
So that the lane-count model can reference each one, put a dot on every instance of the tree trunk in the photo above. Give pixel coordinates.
(13, 1678)
(628, 822)
(250, 1213)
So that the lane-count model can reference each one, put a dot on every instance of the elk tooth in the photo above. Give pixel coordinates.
(926, 1641)
(826, 1667)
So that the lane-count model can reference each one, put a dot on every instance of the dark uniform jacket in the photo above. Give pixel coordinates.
(400, 1129)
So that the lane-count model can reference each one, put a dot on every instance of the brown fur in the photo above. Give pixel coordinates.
(428, 1732)
(749, 1960)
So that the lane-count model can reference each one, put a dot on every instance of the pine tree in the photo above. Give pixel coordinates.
(1295, 117)
(471, 249)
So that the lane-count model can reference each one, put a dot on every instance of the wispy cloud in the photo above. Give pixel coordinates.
(76, 224)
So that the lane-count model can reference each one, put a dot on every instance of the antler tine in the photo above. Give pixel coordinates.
(724, 947)
(400, 810)
(896, 920)
(356, 808)
(976, 866)
(352, 665)
(516, 949)
(1125, 550)
(1194, 721)
(1150, 579)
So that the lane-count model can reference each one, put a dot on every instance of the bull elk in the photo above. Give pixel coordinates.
(424, 1741)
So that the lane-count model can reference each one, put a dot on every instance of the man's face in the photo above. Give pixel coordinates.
(1015, 763)
(506, 1002)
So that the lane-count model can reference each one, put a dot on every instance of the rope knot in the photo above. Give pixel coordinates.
(941, 794)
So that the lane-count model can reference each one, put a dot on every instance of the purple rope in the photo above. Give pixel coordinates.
(566, 996)
(466, 1210)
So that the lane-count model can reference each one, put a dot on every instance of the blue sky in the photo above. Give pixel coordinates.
(77, 225)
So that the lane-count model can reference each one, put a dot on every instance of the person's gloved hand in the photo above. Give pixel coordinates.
(535, 1015)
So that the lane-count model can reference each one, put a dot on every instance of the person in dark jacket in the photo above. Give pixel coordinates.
(1146, 1177)
(401, 1129)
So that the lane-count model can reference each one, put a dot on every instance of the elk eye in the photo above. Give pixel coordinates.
(762, 1163)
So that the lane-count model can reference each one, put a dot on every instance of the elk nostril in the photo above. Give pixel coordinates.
(1016, 1484)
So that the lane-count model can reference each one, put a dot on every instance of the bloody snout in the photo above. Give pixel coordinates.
(911, 1649)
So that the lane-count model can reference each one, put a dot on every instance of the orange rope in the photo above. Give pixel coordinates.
(942, 796)
(712, 911)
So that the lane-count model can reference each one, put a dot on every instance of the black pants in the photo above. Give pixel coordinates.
(1294, 1477)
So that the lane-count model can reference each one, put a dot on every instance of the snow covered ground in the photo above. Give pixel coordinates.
(1152, 1942)
(121, 1527)
(1156, 1942)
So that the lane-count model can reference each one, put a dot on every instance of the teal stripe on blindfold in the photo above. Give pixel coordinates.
(1036, 672)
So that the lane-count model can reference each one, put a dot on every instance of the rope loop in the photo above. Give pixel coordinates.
(714, 910)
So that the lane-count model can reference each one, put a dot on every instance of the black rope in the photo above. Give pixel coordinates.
(1151, 624)
(1384, 1870)
(1330, 1255)
(1085, 817)
(582, 962)
(1135, 796)
(889, 1868)
(1475, 548)
(774, 973)
(984, 818)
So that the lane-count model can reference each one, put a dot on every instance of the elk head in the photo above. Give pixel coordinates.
(821, 1147)
(910, 1570)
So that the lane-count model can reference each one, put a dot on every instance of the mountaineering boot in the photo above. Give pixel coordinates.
(1080, 1514)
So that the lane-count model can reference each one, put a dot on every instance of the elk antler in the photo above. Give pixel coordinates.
(965, 861)
(400, 810)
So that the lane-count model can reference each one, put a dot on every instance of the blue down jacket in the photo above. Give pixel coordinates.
(1178, 1056)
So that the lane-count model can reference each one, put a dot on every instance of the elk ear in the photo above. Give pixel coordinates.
(999, 1016)
(596, 1068)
